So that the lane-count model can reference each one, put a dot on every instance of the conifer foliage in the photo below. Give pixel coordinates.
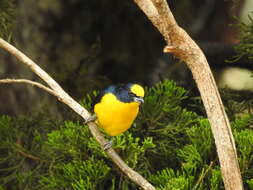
(7, 12)
(168, 144)
(245, 48)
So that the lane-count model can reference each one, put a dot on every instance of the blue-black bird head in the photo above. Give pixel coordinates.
(126, 93)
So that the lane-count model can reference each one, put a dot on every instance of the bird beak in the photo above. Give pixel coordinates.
(139, 99)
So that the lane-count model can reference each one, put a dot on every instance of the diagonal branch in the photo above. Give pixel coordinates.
(183, 47)
(66, 99)
(61, 94)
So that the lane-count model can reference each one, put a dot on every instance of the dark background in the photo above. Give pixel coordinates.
(86, 45)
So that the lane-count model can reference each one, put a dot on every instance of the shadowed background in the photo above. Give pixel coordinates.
(86, 45)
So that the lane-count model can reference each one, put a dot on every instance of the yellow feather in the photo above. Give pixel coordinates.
(138, 90)
(115, 116)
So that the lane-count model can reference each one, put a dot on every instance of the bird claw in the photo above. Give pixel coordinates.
(107, 145)
(91, 119)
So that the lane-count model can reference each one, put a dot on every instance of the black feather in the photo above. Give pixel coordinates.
(122, 92)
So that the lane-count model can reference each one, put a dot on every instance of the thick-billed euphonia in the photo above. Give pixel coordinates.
(116, 107)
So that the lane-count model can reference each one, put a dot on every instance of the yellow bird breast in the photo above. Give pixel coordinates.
(115, 116)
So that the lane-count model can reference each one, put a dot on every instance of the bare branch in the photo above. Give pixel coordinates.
(65, 98)
(159, 14)
(28, 155)
(61, 94)
(133, 175)
(18, 142)
(182, 46)
(39, 85)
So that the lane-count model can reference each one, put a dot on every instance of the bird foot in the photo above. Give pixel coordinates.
(108, 145)
(91, 119)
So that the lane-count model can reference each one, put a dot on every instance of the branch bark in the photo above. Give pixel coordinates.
(55, 89)
(25, 81)
(183, 47)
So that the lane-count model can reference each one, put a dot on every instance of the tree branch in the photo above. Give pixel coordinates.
(66, 99)
(18, 142)
(28, 82)
(183, 47)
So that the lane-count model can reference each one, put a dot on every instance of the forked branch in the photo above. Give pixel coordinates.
(55, 89)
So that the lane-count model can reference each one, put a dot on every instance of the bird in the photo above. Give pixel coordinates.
(117, 106)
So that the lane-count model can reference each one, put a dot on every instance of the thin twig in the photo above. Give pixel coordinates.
(28, 155)
(66, 99)
(61, 94)
(18, 142)
(33, 83)
(202, 176)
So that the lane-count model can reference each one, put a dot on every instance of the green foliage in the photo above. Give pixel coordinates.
(215, 180)
(7, 13)
(169, 179)
(196, 160)
(87, 101)
(162, 114)
(245, 47)
(133, 150)
(78, 175)
(250, 183)
(169, 145)
(244, 138)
